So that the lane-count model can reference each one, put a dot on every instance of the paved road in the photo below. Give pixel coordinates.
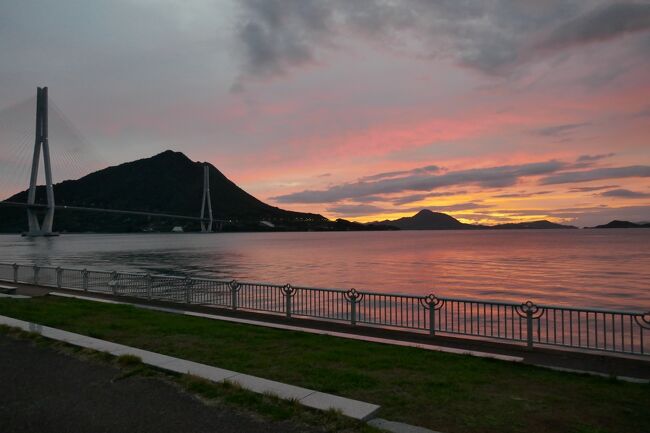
(42, 391)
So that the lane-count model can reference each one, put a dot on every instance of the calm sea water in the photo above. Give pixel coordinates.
(597, 268)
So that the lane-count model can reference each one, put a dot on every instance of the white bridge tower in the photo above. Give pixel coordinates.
(41, 142)
(206, 198)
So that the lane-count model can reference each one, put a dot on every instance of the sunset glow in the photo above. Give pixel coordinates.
(539, 110)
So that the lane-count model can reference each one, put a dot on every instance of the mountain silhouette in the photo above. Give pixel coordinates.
(167, 183)
(429, 220)
(617, 224)
(541, 224)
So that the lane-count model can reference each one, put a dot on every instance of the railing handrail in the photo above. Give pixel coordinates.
(342, 291)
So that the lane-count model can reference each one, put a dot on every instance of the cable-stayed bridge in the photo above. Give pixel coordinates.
(10, 121)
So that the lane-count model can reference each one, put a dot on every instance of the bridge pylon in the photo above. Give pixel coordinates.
(206, 200)
(41, 142)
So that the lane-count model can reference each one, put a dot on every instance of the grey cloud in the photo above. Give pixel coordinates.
(501, 176)
(461, 206)
(419, 197)
(604, 23)
(370, 199)
(493, 37)
(597, 174)
(587, 161)
(592, 188)
(402, 200)
(592, 158)
(522, 194)
(279, 34)
(625, 193)
(559, 130)
(402, 173)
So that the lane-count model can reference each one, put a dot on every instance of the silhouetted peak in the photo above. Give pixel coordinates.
(429, 215)
(426, 220)
(171, 155)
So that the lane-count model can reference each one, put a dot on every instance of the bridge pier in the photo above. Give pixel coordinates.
(41, 142)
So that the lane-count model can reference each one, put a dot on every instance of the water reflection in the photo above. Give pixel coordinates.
(586, 267)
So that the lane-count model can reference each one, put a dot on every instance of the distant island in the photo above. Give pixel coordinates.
(616, 224)
(429, 220)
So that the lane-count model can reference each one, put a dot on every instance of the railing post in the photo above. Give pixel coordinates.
(288, 291)
(529, 310)
(59, 277)
(234, 289)
(529, 328)
(353, 297)
(432, 303)
(15, 265)
(188, 289)
(643, 320)
(84, 279)
(36, 269)
(113, 283)
(149, 285)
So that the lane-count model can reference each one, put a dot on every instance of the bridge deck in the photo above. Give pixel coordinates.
(115, 211)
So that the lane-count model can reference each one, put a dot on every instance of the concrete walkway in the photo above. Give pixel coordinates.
(45, 391)
(314, 399)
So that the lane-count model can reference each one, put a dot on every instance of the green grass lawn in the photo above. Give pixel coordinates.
(445, 392)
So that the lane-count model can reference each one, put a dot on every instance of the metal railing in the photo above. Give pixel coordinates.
(526, 323)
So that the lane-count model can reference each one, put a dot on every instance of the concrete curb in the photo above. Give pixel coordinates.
(398, 427)
(594, 373)
(4, 295)
(317, 400)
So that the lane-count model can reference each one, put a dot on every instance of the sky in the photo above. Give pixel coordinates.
(491, 111)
